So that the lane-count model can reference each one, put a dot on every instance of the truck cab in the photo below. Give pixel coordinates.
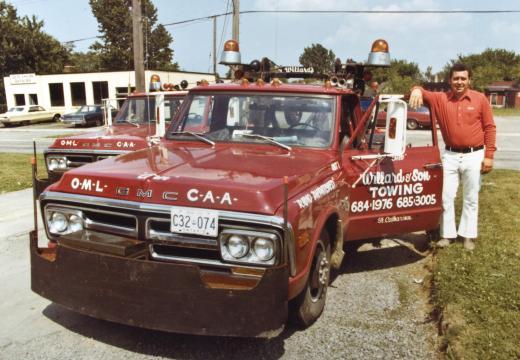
(133, 124)
(232, 229)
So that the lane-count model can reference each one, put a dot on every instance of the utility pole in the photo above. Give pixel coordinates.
(236, 20)
(137, 29)
(214, 44)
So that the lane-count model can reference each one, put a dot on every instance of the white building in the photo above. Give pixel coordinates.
(65, 92)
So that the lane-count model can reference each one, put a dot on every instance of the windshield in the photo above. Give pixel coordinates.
(142, 110)
(293, 120)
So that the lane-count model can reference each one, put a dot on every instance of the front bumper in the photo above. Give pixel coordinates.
(159, 295)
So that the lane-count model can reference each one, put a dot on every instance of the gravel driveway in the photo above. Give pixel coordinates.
(376, 309)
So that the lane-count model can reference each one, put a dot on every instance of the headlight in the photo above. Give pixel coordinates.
(263, 248)
(61, 221)
(75, 223)
(58, 223)
(238, 246)
(249, 246)
(53, 164)
(56, 162)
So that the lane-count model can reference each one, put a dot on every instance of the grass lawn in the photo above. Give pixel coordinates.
(506, 112)
(479, 292)
(15, 172)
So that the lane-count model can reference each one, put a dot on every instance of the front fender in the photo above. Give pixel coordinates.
(299, 280)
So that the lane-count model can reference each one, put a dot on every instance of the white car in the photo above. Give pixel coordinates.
(24, 115)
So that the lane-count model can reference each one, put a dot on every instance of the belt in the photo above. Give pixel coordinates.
(464, 150)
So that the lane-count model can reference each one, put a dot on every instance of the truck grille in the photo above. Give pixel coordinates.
(74, 161)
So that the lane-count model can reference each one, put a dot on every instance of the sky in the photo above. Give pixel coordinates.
(425, 39)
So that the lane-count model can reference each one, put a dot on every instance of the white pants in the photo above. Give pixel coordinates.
(465, 167)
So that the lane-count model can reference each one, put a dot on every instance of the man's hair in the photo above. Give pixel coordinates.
(460, 67)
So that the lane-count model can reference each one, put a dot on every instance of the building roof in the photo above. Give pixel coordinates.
(503, 86)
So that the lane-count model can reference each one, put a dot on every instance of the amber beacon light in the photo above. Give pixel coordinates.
(379, 55)
(231, 53)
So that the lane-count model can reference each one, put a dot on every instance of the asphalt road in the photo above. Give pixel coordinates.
(20, 139)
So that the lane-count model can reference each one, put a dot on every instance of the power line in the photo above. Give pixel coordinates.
(349, 12)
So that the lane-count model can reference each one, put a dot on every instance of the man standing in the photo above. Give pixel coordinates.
(468, 129)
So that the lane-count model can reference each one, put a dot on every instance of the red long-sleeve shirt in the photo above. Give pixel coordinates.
(464, 122)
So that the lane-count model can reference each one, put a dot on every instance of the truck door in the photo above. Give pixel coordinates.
(390, 195)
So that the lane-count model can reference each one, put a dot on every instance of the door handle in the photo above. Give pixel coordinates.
(432, 166)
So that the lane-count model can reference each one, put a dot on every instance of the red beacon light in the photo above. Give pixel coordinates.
(231, 53)
(379, 55)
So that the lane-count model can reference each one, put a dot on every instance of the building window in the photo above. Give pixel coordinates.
(56, 92)
(100, 89)
(124, 91)
(19, 99)
(78, 94)
(33, 99)
(496, 100)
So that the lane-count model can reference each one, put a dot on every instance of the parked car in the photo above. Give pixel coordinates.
(416, 119)
(24, 115)
(87, 115)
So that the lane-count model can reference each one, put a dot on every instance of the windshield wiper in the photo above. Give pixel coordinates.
(268, 139)
(199, 136)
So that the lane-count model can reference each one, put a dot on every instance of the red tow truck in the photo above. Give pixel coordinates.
(232, 230)
(133, 125)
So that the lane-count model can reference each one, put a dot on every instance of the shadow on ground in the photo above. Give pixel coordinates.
(367, 257)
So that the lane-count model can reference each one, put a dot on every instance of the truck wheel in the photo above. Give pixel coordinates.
(307, 307)
(412, 124)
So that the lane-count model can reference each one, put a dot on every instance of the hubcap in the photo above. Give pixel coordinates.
(319, 277)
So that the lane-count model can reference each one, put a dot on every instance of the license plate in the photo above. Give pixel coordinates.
(194, 221)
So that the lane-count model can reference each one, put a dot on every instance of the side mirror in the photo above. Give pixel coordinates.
(395, 130)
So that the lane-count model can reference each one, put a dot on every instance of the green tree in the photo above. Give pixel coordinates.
(25, 48)
(488, 66)
(89, 61)
(115, 48)
(398, 78)
(317, 56)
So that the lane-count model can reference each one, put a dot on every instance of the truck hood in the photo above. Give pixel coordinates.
(248, 178)
(120, 137)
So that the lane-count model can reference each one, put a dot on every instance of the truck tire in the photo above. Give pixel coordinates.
(412, 124)
(307, 307)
